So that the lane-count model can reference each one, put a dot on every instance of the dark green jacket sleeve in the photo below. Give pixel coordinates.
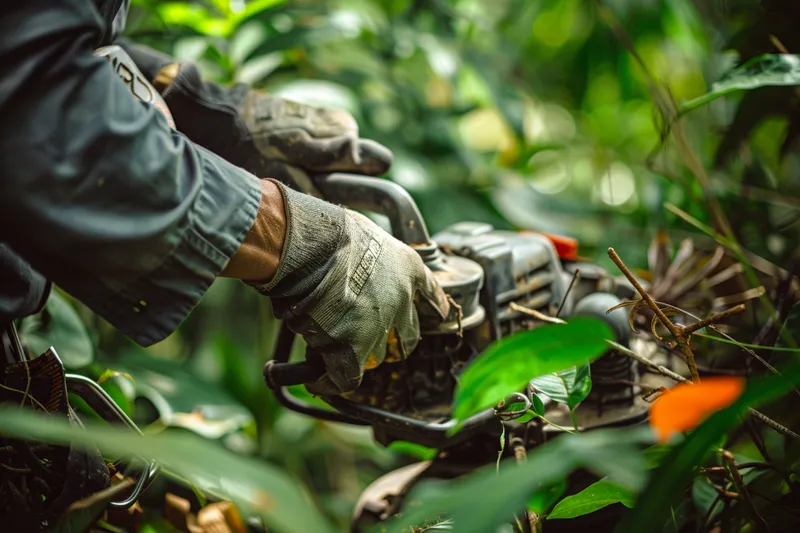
(208, 113)
(97, 193)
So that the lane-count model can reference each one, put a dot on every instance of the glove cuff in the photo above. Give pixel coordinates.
(313, 231)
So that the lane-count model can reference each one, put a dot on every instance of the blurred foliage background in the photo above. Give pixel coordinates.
(522, 113)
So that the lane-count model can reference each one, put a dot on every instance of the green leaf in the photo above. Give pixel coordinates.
(258, 68)
(182, 399)
(668, 482)
(537, 405)
(706, 500)
(510, 363)
(247, 38)
(570, 386)
(59, 325)
(195, 17)
(255, 8)
(654, 455)
(543, 499)
(484, 499)
(417, 451)
(761, 71)
(255, 486)
(677, 518)
(594, 497)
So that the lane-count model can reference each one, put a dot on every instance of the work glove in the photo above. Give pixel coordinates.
(353, 291)
(265, 134)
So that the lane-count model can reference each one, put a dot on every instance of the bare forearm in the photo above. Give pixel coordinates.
(259, 254)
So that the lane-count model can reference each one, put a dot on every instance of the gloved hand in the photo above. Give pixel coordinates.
(266, 135)
(350, 289)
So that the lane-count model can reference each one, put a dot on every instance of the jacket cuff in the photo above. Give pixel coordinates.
(313, 232)
(152, 307)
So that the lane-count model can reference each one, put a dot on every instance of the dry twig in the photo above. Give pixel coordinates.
(681, 334)
(738, 481)
(680, 379)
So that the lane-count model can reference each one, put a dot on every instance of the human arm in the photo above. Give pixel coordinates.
(98, 193)
(262, 133)
(136, 221)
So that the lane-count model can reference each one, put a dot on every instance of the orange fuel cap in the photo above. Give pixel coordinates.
(566, 247)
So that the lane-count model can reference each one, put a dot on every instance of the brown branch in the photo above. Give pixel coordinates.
(538, 315)
(736, 477)
(718, 317)
(682, 340)
(575, 277)
(680, 379)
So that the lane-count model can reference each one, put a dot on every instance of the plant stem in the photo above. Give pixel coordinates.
(736, 477)
(574, 420)
(556, 425)
(677, 377)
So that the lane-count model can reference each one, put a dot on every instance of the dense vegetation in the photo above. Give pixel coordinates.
(629, 124)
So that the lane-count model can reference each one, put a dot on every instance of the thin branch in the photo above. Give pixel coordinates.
(575, 277)
(680, 379)
(677, 333)
(538, 315)
(718, 317)
(733, 341)
(648, 363)
(737, 479)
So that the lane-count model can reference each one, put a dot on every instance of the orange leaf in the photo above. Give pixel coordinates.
(686, 405)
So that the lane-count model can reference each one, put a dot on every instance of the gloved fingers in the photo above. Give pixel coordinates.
(324, 386)
(407, 331)
(432, 303)
(290, 175)
(343, 153)
(345, 365)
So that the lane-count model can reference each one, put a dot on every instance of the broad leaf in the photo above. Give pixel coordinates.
(668, 482)
(254, 8)
(59, 325)
(509, 364)
(485, 499)
(403, 447)
(182, 399)
(542, 500)
(255, 486)
(677, 518)
(195, 17)
(706, 500)
(594, 497)
(570, 386)
(761, 71)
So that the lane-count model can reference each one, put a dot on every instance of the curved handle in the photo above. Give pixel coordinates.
(379, 196)
(284, 374)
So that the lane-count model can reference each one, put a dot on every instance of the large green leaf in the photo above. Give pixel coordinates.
(180, 398)
(594, 497)
(510, 363)
(706, 500)
(195, 17)
(667, 484)
(485, 499)
(570, 386)
(544, 498)
(255, 486)
(59, 325)
(761, 71)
